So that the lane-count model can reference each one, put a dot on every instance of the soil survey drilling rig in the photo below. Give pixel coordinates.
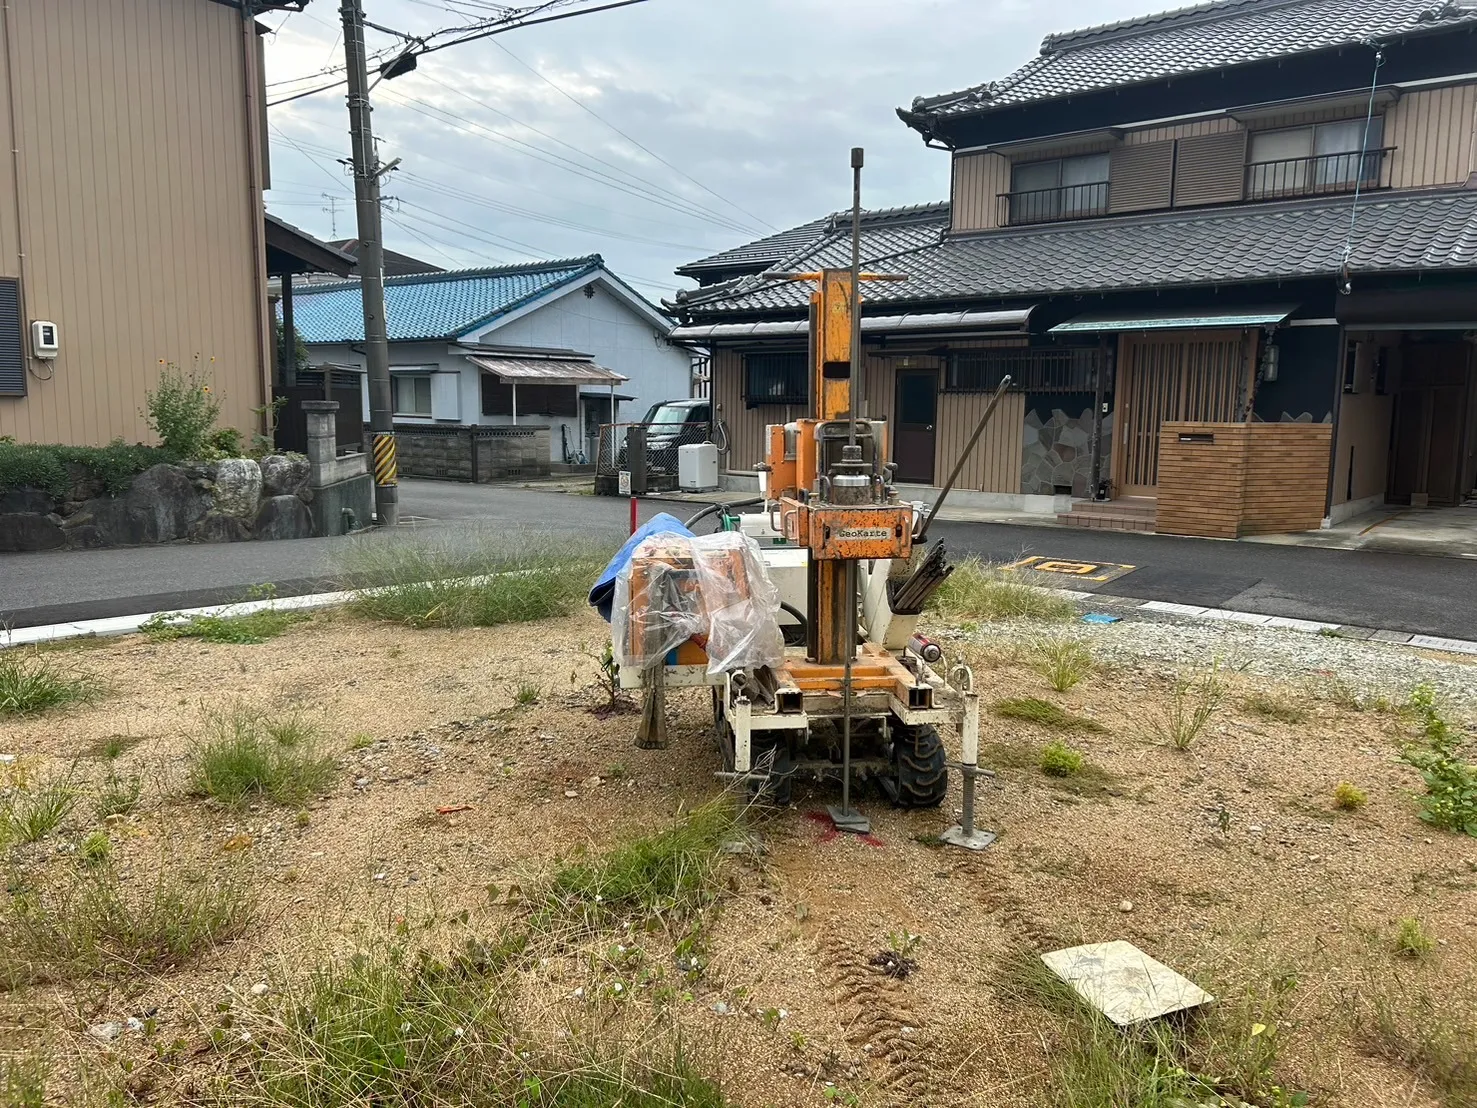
(861, 698)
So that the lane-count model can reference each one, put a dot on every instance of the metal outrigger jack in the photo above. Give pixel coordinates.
(964, 833)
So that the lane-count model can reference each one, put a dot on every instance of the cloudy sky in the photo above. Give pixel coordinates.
(653, 134)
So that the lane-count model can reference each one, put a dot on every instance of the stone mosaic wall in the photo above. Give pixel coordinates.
(1058, 451)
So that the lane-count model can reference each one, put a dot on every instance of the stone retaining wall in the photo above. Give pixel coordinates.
(227, 501)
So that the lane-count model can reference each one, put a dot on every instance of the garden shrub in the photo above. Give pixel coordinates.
(46, 466)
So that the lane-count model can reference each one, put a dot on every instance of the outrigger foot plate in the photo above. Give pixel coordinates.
(849, 820)
(972, 840)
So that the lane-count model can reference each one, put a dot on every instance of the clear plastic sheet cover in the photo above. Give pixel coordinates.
(712, 588)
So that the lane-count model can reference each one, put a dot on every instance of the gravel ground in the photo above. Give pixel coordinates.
(1165, 645)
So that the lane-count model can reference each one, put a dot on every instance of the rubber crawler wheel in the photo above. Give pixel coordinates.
(777, 790)
(919, 767)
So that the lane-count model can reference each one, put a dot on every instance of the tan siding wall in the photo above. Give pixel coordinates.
(994, 466)
(136, 210)
(979, 179)
(1434, 134)
(995, 463)
(1181, 130)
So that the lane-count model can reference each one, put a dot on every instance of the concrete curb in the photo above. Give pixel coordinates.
(1255, 619)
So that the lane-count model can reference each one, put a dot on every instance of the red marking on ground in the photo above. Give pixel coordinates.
(831, 832)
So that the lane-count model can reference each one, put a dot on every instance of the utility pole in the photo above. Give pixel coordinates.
(367, 172)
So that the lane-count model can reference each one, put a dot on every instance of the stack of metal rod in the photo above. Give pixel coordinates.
(908, 595)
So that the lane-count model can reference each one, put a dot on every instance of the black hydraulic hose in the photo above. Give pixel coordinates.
(712, 509)
(799, 618)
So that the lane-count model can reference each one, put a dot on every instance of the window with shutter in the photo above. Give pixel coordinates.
(1141, 177)
(1210, 169)
(12, 343)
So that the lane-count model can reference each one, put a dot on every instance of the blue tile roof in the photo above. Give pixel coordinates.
(433, 305)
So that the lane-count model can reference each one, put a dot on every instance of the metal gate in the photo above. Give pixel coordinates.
(1201, 377)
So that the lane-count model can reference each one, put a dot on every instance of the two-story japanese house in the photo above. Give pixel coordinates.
(1227, 255)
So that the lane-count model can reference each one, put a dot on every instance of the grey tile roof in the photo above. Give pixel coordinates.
(1395, 233)
(768, 252)
(1208, 36)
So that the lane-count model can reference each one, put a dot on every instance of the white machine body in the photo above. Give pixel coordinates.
(697, 467)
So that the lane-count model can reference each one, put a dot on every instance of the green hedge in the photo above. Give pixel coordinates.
(44, 467)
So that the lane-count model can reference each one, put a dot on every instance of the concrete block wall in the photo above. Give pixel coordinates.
(472, 454)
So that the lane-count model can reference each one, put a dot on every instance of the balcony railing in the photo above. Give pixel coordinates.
(1050, 205)
(1318, 175)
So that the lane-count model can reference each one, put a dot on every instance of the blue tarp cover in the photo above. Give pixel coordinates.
(603, 594)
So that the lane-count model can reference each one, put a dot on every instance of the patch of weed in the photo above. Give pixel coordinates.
(1194, 699)
(1450, 802)
(251, 756)
(87, 925)
(478, 581)
(118, 795)
(1063, 662)
(34, 814)
(1060, 760)
(246, 630)
(1349, 797)
(1228, 1055)
(979, 591)
(1279, 708)
(672, 873)
(31, 682)
(527, 693)
(401, 1030)
(23, 1081)
(95, 849)
(1431, 1034)
(113, 747)
(1412, 940)
(1044, 713)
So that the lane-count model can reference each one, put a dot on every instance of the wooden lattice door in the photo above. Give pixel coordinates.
(1202, 377)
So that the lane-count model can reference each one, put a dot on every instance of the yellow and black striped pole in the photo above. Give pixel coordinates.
(386, 471)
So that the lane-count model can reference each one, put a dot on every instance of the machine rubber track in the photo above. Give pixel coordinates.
(919, 765)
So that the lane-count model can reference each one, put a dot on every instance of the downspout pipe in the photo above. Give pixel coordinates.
(258, 205)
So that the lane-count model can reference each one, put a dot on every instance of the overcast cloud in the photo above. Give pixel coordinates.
(759, 100)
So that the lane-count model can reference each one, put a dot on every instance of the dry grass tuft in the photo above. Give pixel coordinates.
(1274, 707)
(1063, 662)
(32, 682)
(478, 581)
(979, 591)
(1194, 699)
(1044, 713)
(251, 756)
(85, 924)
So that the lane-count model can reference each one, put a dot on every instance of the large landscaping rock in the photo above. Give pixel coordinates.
(22, 533)
(32, 501)
(284, 517)
(238, 487)
(214, 527)
(285, 475)
(160, 506)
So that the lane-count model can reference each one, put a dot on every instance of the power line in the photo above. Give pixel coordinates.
(634, 142)
(729, 223)
(650, 195)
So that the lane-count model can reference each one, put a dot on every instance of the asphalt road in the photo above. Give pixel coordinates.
(1421, 595)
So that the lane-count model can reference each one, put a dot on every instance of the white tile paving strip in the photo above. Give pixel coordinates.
(127, 625)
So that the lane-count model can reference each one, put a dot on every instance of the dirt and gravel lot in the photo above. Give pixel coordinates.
(470, 764)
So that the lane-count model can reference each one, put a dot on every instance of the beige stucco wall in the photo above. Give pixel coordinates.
(131, 213)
